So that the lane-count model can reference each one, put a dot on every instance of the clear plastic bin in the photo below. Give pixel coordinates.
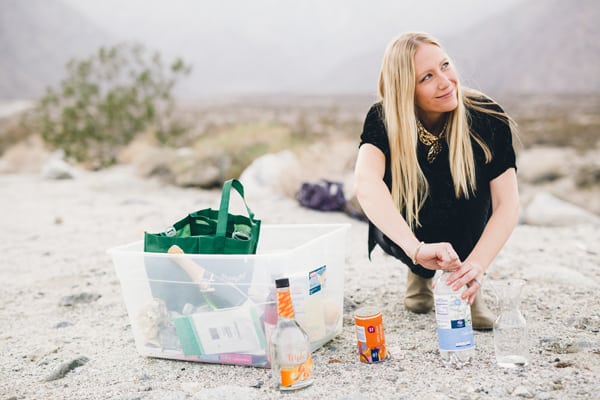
(219, 308)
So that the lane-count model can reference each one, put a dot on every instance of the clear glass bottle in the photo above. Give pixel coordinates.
(455, 328)
(291, 358)
(510, 328)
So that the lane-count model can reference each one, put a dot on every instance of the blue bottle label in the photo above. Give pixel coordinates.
(455, 329)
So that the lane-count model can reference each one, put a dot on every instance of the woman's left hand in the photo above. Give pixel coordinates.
(470, 274)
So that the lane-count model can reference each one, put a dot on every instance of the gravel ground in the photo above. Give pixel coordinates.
(64, 329)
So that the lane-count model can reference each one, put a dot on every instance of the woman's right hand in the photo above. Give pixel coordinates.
(439, 255)
(377, 203)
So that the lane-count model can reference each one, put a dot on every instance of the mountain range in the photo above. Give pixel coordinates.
(536, 46)
(533, 46)
(541, 46)
(37, 38)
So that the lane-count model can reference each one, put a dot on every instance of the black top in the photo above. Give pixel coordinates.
(443, 217)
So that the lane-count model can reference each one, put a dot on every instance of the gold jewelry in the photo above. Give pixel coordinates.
(414, 260)
(429, 139)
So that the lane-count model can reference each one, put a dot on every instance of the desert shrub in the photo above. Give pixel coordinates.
(244, 142)
(106, 99)
(11, 132)
(556, 119)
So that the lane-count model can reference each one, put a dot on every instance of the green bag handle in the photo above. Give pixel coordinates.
(224, 207)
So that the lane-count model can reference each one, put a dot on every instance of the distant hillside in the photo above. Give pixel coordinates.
(548, 46)
(37, 38)
(540, 46)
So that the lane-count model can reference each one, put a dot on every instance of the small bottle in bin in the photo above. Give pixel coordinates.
(270, 318)
(291, 358)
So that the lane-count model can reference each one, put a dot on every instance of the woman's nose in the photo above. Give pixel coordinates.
(443, 82)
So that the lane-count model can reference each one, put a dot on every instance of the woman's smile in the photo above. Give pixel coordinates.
(446, 95)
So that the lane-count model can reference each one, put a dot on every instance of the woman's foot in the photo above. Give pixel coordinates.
(419, 294)
(482, 317)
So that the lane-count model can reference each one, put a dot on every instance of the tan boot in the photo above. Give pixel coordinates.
(482, 317)
(419, 294)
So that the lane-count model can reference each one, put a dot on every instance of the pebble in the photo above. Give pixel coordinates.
(80, 298)
(65, 368)
(63, 324)
(522, 391)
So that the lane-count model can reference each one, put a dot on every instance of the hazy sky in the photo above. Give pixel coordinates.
(251, 44)
(160, 18)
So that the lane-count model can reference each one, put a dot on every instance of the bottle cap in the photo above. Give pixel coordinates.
(282, 282)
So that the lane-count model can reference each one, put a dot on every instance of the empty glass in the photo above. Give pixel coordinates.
(510, 328)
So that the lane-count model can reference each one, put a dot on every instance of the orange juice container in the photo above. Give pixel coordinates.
(369, 335)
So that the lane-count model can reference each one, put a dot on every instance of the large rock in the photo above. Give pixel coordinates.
(545, 164)
(148, 159)
(192, 172)
(548, 210)
(27, 156)
(57, 168)
(266, 174)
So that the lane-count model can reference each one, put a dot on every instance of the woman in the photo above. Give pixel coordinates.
(436, 173)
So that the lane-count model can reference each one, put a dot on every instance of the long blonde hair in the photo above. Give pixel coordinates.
(397, 84)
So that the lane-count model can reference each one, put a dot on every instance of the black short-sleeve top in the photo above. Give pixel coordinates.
(444, 218)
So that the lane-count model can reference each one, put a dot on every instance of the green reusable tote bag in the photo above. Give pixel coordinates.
(210, 231)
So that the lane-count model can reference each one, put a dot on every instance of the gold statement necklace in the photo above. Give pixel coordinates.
(429, 139)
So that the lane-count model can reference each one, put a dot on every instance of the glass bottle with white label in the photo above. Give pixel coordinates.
(454, 325)
(291, 358)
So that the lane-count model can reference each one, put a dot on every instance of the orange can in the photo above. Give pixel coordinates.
(369, 334)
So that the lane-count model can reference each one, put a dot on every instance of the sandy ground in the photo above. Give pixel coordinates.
(54, 239)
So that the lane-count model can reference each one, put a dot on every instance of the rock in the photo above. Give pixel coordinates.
(65, 368)
(544, 164)
(63, 324)
(194, 170)
(548, 210)
(27, 156)
(81, 298)
(588, 176)
(57, 168)
(204, 175)
(149, 160)
(265, 175)
(522, 391)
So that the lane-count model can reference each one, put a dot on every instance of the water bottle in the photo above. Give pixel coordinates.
(454, 325)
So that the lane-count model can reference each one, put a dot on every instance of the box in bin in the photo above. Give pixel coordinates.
(221, 308)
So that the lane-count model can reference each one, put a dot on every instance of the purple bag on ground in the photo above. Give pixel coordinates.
(324, 196)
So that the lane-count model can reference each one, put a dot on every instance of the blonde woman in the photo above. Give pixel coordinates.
(436, 173)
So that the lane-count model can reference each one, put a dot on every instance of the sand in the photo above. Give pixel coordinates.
(65, 333)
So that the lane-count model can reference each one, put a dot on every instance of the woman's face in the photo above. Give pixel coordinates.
(436, 85)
